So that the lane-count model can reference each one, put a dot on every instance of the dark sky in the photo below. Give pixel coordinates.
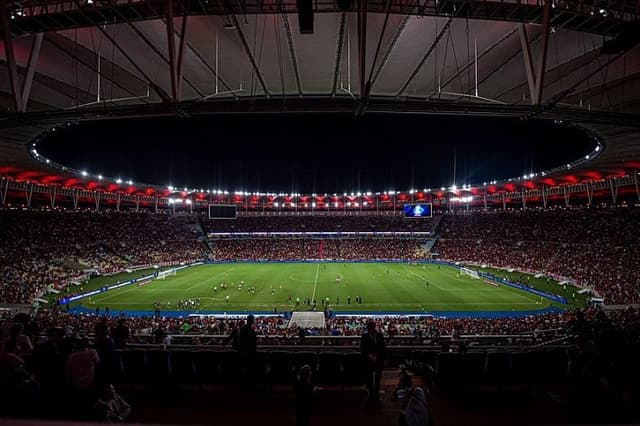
(315, 153)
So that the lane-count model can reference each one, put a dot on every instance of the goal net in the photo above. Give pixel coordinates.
(470, 273)
(164, 274)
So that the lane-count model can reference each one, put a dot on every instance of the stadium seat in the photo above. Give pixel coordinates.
(522, 371)
(182, 367)
(353, 369)
(329, 368)
(206, 366)
(158, 366)
(134, 366)
(498, 367)
(306, 358)
(281, 368)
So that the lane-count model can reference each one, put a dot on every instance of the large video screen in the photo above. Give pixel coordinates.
(417, 210)
(222, 211)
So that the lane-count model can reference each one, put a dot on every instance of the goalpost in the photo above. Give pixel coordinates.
(164, 274)
(469, 272)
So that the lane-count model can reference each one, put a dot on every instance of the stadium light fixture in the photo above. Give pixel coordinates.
(100, 177)
(275, 204)
(348, 203)
(335, 204)
(47, 161)
(293, 204)
(130, 182)
(84, 173)
(587, 157)
(118, 181)
(597, 148)
(568, 166)
(188, 201)
(313, 205)
(356, 204)
(454, 187)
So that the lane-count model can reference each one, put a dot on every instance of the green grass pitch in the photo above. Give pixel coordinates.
(383, 287)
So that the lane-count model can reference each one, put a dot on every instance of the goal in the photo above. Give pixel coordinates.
(164, 274)
(470, 273)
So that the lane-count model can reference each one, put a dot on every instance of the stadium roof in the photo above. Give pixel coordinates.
(87, 59)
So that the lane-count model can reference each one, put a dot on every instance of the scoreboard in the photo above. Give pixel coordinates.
(222, 211)
(417, 210)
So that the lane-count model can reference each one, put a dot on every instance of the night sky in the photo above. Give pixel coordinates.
(315, 153)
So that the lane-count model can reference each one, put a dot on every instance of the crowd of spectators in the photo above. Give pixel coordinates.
(43, 248)
(421, 326)
(319, 223)
(305, 249)
(596, 248)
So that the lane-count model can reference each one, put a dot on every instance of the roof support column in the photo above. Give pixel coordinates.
(565, 193)
(97, 197)
(614, 191)
(74, 196)
(589, 193)
(14, 82)
(635, 180)
(52, 196)
(3, 193)
(29, 193)
(504, 201)
(544, 196)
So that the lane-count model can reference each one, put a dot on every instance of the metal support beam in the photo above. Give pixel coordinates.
(484, 199)
(180, 70)
(247, 51)
(10, 55)
(118, 200)
(162, 56)
(589, 193)
(544, 197)
(528, 63)
(138, 203)
(171, 45)
(390, 47)
(542, 59)
(426, 56)
(524, 199)
(292, 52)
(566, 195)
(97, 197)
(535, 75)
(161, 93)
(338, 57)
(362, 45)
(635, 181)
(504, 201)
(31, 69)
